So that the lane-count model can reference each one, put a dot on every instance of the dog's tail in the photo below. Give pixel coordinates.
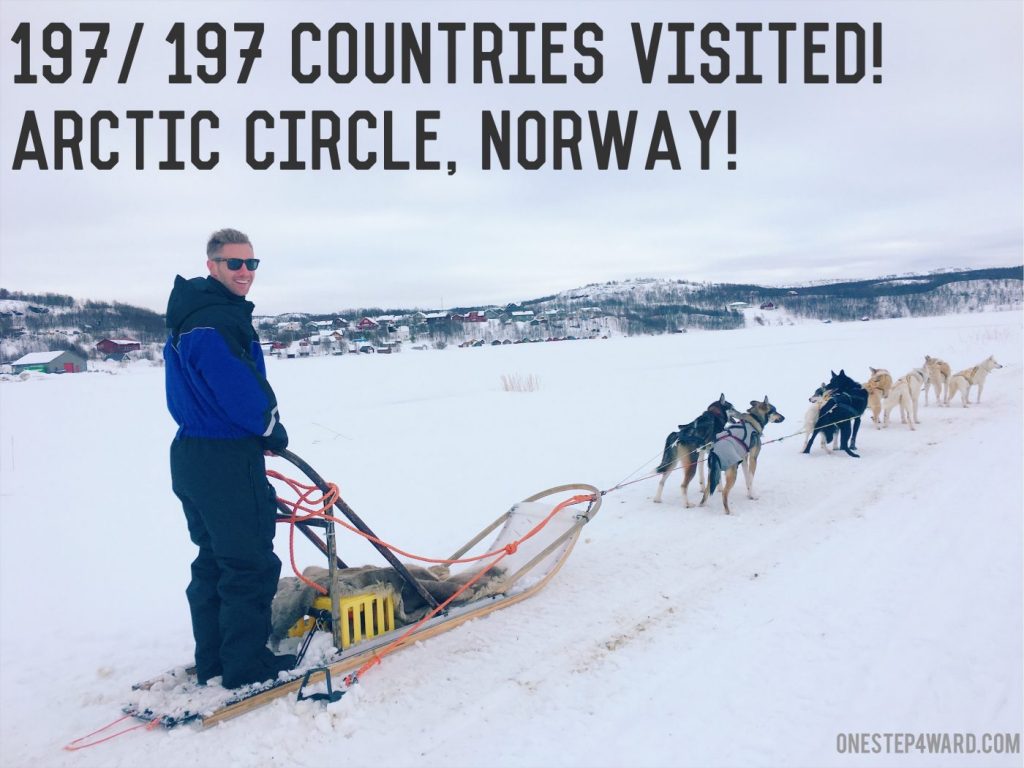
(714, 472)
(669, 456)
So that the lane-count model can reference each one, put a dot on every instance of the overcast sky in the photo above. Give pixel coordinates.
(838, 180)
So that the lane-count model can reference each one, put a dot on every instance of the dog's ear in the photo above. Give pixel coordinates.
(754, 403)
(873, 370)
(766, 400)
(842, 371)
(721, 398)
(833, 374)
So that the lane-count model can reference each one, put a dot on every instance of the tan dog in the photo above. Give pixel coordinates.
(962, 381)
(878, 387)
(938, 372)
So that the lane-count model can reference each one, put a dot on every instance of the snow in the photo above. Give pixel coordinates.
(854, 596)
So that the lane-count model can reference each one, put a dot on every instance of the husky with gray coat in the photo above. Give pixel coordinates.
(689, 446)
(739, 444)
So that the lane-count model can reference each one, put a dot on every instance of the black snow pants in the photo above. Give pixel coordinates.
(230, 508)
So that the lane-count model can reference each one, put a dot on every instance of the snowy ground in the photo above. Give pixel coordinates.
(854, 596)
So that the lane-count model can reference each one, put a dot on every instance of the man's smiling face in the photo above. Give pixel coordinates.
(237, 281)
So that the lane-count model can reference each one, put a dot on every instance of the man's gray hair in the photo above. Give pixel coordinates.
(223, 237)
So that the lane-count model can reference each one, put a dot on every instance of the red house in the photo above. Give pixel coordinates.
(366, 324)
(117, 346)
(475, 316)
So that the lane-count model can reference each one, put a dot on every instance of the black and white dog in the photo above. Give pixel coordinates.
(846, 402)
(690, 441)
(739, 444)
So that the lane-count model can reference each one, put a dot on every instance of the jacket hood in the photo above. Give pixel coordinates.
(190, 296)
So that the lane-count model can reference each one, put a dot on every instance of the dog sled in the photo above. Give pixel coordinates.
(355, 626)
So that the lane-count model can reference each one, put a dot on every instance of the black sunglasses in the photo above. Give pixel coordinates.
(236, 264)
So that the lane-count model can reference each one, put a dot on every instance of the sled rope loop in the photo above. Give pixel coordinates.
(301, 513)
(82, 743)
(304, 508)
(499, 555)
(303, 503)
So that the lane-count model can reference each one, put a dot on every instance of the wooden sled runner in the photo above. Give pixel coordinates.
(527, 566)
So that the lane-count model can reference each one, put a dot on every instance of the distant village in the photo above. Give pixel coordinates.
(53, 333)
(387, 334)
(382, 334)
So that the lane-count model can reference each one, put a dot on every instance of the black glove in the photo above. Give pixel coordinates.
(277, 440)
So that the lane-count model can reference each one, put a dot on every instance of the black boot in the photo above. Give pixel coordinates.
(266, 672)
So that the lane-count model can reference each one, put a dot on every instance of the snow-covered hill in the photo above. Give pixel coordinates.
(640, 306)
(879, 595)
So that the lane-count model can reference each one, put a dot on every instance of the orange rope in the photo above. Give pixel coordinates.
(510, 549)
(304, 505)
(303, 492)
(311, 513)
(77, 744)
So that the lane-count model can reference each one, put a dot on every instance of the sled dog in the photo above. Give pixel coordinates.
(845, 405)
(937, 378)
(899, 395)
(817, 401)
(962, 381)
(691, 443)
(916, 380)
(739, 445)
(878, 387)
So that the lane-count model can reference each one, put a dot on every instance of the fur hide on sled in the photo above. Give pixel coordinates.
(294, 599)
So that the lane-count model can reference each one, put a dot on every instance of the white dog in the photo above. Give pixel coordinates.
(817, 400)
(899, 395)
(917, 380)
(962, 381)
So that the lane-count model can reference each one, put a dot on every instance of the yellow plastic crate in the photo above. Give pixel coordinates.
(362, 616)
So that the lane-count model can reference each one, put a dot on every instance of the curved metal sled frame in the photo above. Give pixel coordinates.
(541, 557)
(552, 554)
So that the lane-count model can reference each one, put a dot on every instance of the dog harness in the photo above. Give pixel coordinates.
(734, 442)
(969, 373)
(840, 407)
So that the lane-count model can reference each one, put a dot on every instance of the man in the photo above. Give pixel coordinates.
(217, 392)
